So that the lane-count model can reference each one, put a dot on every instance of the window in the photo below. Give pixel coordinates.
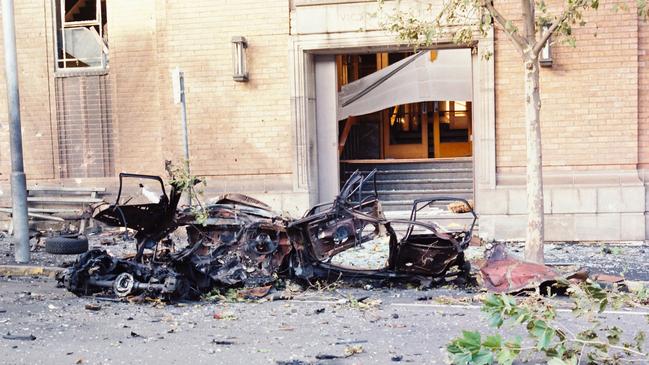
(454, 121)
(405, 124)
(81, 40)
(82, 89)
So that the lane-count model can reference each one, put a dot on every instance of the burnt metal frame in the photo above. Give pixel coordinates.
(122, 175)
(350, 204)
(342, 205)
(428, 202)
(168, 207)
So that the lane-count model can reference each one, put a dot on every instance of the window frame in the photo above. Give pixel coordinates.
(60, 24)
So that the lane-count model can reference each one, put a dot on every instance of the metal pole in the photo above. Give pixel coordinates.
(183, 115)
(18, 181)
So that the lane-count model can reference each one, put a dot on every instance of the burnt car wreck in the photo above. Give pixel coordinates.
(238, 241)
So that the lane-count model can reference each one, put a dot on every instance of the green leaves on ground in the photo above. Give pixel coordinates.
(470, 349)
(548, 336)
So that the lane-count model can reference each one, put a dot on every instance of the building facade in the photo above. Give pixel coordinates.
(97, 99)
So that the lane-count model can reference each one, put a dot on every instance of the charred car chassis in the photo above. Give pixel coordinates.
(239, 241)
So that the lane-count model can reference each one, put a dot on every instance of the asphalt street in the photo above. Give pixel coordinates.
(399, 325)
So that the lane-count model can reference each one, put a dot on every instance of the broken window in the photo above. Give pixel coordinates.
(81, 34)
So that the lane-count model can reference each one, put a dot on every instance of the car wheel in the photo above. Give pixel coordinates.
(66, 245)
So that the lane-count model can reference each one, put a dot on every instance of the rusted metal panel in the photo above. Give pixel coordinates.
(502, 273)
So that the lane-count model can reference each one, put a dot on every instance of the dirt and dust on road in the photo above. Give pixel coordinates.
(241, 284)
(334, 324)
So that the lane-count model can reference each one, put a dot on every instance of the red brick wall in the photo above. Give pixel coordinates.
(589, 97)
(134, 74)
(643, 93)
(236, 129)
(35, 66)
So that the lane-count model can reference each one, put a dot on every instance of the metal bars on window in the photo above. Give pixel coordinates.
(84, 124)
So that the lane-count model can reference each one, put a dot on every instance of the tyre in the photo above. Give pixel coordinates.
(66, 245)
(68, 235)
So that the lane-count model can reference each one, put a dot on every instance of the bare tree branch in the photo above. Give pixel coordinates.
(518, 41)
(546, 35)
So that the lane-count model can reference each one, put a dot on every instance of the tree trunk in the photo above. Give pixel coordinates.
(534, 239)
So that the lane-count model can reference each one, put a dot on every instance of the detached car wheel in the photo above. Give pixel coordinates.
(66, 245)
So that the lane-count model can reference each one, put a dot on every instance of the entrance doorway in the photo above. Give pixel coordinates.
(407, 115)
(421, 130)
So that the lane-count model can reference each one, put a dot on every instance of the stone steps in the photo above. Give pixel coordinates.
(399, 183)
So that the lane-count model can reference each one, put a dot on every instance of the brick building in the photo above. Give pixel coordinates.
(96, 99)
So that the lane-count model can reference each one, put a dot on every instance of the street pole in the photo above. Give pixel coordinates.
(18, 181)
(183, 112)
(178, 81)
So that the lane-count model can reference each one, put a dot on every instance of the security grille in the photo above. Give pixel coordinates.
(85, 131)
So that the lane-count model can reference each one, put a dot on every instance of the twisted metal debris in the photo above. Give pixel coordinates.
(242, 242)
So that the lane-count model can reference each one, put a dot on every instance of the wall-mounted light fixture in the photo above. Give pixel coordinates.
(545, 58)
(239, 64)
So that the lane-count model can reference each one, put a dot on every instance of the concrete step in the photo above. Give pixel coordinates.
(407, 174)
(425, 184)
(410, 165)
(400, 182)
(387, 195)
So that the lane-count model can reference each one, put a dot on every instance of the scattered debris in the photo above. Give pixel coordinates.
(461, 207)
(348, 352)
(237, 241)
(107, 299)
(353, 350)
(9, 336)
(93, 307)
(255, 293)
(609, 279)
(223, 342)
(351, 342)
(363, 304)
(292, 362)
(504, 274)
(226, 316)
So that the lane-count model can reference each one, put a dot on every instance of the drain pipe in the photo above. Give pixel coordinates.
(18, 181)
